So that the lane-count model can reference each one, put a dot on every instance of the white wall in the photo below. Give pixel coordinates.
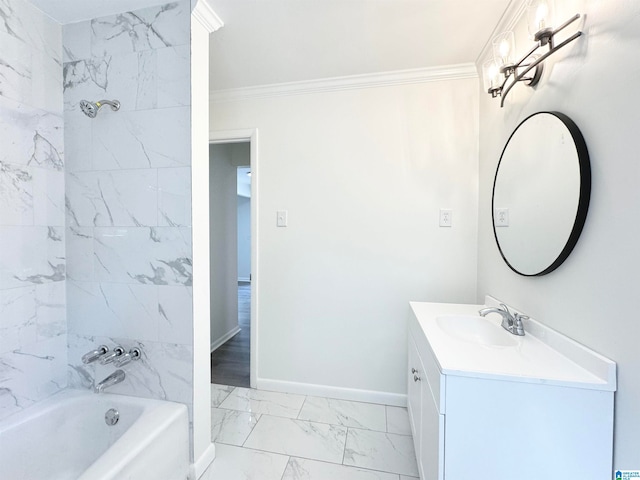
(223, 240)
(592, 296)
(362, 174)
(244, 238)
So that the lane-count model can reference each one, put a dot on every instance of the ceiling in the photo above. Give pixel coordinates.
(276, 41)
(279, 41)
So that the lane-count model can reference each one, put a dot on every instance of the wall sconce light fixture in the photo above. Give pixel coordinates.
(502, 72)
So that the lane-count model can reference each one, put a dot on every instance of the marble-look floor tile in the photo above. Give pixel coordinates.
(236, 463)
(342, 412)
(303, 469)
(219, 393)
(387, 452)
(398, 420)
(316, 441)
(260, 401)
(231, 426)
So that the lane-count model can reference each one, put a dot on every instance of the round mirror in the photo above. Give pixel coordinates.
(541, 193)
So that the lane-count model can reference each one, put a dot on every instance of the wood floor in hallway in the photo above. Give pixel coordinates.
(230, 362)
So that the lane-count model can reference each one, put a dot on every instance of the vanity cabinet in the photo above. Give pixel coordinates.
(427, 424)
(474, 424)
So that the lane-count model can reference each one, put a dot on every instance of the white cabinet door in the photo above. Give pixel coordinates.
(431, 452)
(414, 402)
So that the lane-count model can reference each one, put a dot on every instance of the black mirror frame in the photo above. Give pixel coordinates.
(583, 200)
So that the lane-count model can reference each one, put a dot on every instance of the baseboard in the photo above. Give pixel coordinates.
(201, 465)
(218, 343)
(244, 279)
(342, 393)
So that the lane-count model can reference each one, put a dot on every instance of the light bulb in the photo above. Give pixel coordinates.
(503, 48)
(542, 13)
(491, 75)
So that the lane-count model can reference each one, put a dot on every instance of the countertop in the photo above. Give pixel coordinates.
(541, 356)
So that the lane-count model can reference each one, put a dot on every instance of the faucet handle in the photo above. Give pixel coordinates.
(110, 357)
(134, 354)
(93, 355)
(517, 323)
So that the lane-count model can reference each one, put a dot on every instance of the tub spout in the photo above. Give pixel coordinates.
(114, 378)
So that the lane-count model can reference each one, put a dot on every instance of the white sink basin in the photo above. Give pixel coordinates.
(476, 329)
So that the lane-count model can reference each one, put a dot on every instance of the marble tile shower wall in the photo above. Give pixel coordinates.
(33, 343)
(128, 197)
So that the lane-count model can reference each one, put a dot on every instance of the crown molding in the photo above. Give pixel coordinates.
(350, 82)
(203, 12)
(511, 16)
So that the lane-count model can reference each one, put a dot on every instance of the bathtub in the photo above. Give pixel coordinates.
(66, 437)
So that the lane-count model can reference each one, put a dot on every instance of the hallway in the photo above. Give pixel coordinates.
(230, 362)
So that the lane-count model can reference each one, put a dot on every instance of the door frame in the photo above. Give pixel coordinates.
(240, 136)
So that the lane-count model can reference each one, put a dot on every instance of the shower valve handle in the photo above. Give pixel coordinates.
(94, 355)
(134, 354)
(110, 357)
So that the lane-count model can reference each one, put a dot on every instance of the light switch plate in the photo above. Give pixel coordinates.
(282, 218)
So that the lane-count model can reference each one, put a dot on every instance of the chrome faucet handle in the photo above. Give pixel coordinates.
(134, 354)
(111, 356)
(517, 323)
(508, 318)
(94, 355)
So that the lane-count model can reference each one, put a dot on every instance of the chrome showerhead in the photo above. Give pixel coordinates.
(90, 109)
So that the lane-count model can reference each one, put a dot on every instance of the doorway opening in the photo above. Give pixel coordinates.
(232, 247)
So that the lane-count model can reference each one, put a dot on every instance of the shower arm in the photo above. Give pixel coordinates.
(115, 104)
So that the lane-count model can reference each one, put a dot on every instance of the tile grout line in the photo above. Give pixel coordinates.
(350, 467)
(252, 429)
(227, 396)
(386, 419)
(285, 467)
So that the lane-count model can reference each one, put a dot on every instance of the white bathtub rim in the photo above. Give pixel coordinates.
(70, 394)
(140, 435)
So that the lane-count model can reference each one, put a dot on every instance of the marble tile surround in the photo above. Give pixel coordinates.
(252, 445)
(33, 328)
(120, 228)
(128, 197)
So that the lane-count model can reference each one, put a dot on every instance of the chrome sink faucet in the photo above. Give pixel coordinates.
(114, 378)
(510, 322)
